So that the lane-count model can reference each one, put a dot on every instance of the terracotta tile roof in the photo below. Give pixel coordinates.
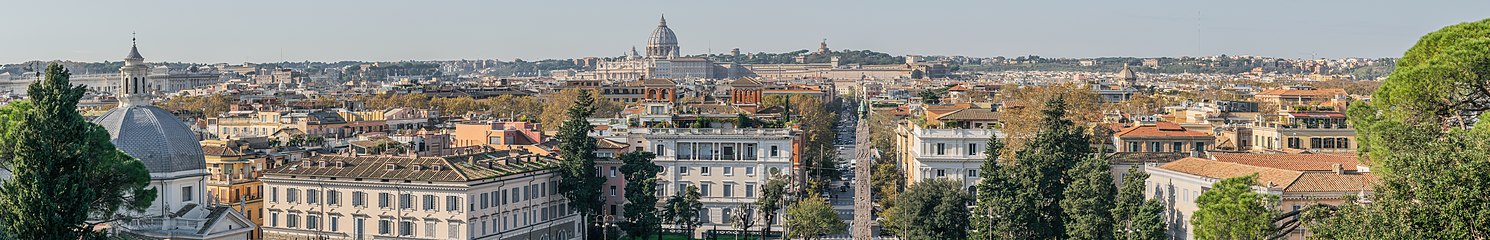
(1160, 129)
(939, 112)
(602, 143)
(745, 82)
(1331, 182)
(1328, 92)
(219, 150)
(950, 106)
(1279, 178)
(970, 114)
(658, 82)
(456, 168)
(900, 112)
(1287, 180)
(957, 88)
(1296, 162)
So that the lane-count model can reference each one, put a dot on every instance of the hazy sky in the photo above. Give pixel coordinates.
(297, 30)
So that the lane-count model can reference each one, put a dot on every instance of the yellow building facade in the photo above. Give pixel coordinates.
(233, 179)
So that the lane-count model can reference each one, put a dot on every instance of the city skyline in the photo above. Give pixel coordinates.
(393, 31)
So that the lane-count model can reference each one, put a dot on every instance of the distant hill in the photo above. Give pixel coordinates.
(1178, 65)
(865, 57)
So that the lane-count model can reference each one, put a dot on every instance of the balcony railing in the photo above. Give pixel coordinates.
(716, 131)
(955, 133)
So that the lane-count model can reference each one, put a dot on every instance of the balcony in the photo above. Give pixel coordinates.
(221, 179)
(238, 199)
(954, 133)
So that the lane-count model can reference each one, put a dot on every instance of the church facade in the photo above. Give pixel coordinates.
(662, 58)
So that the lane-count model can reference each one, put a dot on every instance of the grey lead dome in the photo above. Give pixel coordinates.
(662, 36)
(663, 43)
(154, 136)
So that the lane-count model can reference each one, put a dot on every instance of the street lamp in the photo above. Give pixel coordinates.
(606, 223)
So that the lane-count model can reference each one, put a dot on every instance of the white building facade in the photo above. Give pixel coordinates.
(729, 166)
(956, 154)
(490, 195)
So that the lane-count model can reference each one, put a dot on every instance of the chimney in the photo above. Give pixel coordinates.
(1338, 169)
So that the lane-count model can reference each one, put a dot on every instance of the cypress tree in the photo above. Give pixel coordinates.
(1135, 218)
(1088, 200)
(579, 179)
(1039, 173)
(641, 194)
(995, 212)
(64, 171)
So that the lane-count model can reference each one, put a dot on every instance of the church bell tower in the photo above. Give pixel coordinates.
(134, 88)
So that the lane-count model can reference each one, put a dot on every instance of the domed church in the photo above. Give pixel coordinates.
(173, 155)
(663, 60)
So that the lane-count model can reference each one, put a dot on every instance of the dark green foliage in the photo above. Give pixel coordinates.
(1088, 200)
(683, 209)
(1135, 218)
(641, 194)
(933, 96)
(579, 180)
(1038, 170)
(64, 171)
(1444, 79)
(995, 196)
(1025, 197)
(1149, 222)
(1428, 142)
(933, 209)
(742, 121)
(1232, 210)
